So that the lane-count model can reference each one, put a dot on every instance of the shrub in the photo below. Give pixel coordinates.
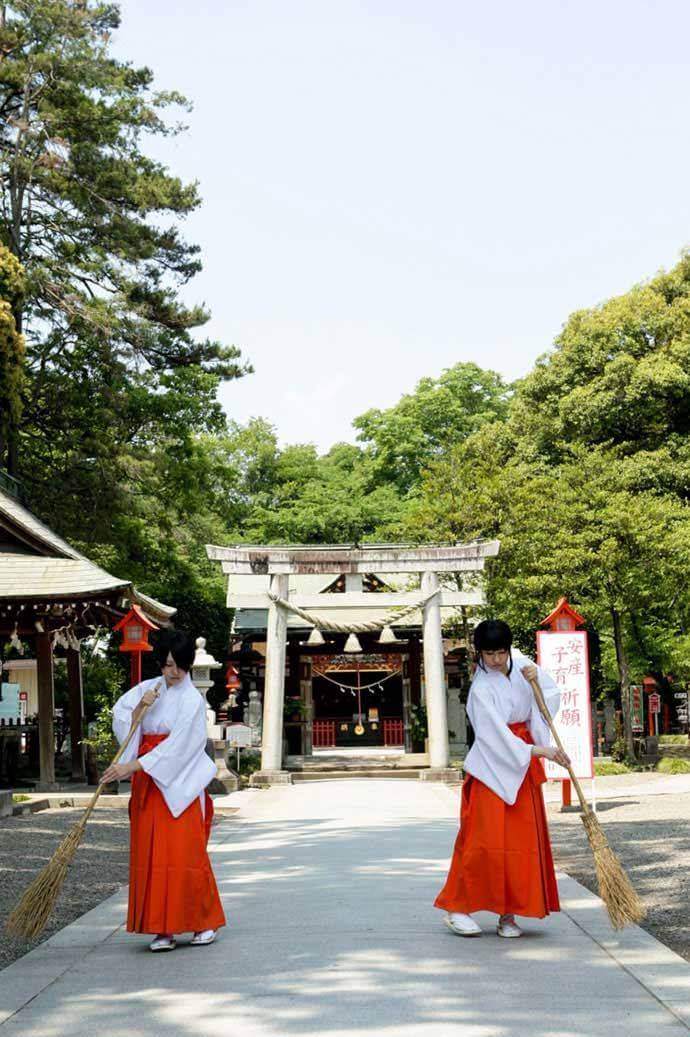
(419, 728)
(669, 765)
(250, 761)
(673, 740)
(618, 750)
(102, 741)
(616, 767)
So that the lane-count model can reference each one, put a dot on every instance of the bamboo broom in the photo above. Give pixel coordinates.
(615, 889)
(29, 917)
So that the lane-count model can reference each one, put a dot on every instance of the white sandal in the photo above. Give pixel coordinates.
(200, 939)
(163, 942)
(462, 925)
(508, 928)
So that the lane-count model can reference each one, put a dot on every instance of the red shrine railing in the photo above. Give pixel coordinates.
(323, 734)
(393, 732)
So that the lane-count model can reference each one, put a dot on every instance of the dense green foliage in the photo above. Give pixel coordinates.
(670, 766)
(12, 286)
(586, 484)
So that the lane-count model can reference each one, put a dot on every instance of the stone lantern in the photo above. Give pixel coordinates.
(201, 677)
(202, 666)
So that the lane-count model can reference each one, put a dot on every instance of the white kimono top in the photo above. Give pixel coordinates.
(179, 766)
(499, 758)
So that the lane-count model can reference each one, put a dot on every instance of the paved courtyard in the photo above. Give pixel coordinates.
(328, 888)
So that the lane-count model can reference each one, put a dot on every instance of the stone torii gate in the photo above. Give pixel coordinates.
(279, 563)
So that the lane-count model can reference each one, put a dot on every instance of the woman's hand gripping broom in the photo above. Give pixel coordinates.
(622, 902)
(29, 917)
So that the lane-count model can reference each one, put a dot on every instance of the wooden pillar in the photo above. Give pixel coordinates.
(406, 703)
(308, 700)
(412, 690)
(274, 691)
(46, 710)
(434, 676)
(76, 713)
(415, 673)
(293, 681)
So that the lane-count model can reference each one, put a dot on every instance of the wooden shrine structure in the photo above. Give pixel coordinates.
(391, 597)
(51, 598)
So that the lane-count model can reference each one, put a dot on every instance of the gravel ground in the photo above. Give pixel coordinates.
(27, 843)
(650, 834)
(651, 837)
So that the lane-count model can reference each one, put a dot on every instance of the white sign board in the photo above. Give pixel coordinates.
(238, 735)
(564, 656)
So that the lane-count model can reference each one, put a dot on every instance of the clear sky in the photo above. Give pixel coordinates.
(393, 186)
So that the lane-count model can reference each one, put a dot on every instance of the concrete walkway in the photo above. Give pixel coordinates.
(328, 888)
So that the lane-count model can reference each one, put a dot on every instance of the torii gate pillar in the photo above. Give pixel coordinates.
(435, 684)
(272, 772)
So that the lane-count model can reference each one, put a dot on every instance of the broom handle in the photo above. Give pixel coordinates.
(543, 709)
(116, 757)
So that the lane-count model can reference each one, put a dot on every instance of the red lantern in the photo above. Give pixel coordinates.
(135, 629)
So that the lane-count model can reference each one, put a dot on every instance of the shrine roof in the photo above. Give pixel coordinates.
(323, 559)
(34, 576)
(36, 563)
(34, 533)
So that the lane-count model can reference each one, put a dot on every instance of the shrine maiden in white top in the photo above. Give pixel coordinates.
(502, 859)
(172, 888)
(498, 757)
(179, 765)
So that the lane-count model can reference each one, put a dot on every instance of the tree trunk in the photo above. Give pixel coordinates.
(624, 675)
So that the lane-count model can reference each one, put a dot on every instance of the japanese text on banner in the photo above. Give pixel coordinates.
(564, 656)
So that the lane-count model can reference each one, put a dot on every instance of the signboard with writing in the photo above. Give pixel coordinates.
(637, 707)
(368, 662)
(654, 702)
(681, 702)
(238, 735)
(564, 656)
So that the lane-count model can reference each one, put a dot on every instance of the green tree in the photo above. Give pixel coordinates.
(619, 376)
(267, 493)
(111, 349)
(620, 555)
(406, 438)
(11, 348)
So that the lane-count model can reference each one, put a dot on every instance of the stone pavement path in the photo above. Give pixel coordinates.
(328, 888)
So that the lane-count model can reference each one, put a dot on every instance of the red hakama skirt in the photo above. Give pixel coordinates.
(171, 884)
(502, 859)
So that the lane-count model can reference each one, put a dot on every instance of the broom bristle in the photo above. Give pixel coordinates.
(29, 918)
(622, 902)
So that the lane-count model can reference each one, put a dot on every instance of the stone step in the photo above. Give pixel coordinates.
(340, 775)
(303, 764)
(31, 806)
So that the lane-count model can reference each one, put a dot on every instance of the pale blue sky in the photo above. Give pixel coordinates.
(392, 187)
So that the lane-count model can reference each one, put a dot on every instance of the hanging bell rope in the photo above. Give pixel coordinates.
(354, 628)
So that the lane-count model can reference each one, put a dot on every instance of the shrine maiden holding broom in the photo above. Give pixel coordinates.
(171, 885)
(502, 859)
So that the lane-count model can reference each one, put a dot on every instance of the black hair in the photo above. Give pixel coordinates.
(180, 645)
(493, 635)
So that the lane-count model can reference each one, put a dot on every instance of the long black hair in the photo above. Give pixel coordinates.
(493, 635)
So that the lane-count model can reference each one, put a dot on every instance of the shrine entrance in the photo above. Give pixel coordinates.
(358, 703)
(295, 605)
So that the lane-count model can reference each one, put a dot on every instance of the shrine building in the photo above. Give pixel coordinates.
(344, 647)
(52, 598)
